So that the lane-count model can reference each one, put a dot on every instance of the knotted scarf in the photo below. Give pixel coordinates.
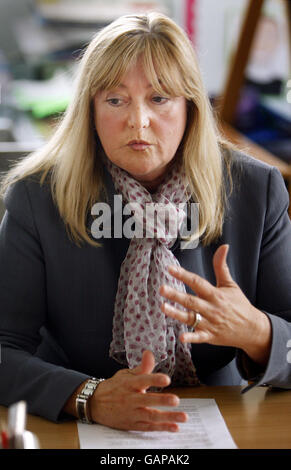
(138, 322)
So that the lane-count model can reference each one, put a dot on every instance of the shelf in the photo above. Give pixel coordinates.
(226, 105)
(255, 150)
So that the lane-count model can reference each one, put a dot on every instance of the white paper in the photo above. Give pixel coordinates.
(205, 429)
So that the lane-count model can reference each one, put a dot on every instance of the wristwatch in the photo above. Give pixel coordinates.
(83, 397)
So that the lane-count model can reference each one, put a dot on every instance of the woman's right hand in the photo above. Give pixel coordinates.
(122, 402)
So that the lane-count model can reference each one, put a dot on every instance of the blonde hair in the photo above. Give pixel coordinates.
(71, 158)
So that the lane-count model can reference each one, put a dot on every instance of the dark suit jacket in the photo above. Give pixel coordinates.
(57, 299)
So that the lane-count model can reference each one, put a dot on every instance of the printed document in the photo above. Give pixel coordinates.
(205, 429)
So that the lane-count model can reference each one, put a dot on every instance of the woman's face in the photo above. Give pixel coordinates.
(139, 129)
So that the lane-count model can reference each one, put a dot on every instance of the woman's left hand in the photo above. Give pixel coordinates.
(228, 318)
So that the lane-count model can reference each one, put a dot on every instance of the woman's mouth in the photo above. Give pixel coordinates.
(138, 144)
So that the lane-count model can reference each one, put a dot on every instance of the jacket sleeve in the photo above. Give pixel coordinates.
(23, 376)
(274, 289)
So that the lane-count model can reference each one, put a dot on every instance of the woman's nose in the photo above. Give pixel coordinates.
(138, 117)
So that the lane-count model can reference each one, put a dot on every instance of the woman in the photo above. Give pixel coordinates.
(76, 305)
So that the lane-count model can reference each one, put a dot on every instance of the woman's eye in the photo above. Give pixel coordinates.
(114, 101)
(160, 99)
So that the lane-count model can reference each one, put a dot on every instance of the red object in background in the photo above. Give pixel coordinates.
(190, 18)
(4, 440)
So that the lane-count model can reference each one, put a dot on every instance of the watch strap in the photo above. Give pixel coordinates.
(83, 397)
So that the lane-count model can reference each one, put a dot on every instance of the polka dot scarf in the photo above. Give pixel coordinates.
(138, 322)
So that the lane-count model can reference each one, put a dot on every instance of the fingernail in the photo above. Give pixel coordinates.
(183, 418)
(174, 428)
(168, 307)
(173, 269)
(175, 401)
(165, 290)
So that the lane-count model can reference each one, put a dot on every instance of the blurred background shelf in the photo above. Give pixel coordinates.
(253, 149)
(252, 119)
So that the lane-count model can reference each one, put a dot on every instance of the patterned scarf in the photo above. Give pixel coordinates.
(138, 322)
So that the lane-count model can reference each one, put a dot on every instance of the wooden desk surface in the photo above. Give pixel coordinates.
(259, 419)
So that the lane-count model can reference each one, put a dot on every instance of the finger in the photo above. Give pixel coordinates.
(200, 286)
(145, 427)
(197, 337)
(142, 382)
(222, 274)
(152, 415)
(190, 302)
(185, 317)
(156, 399)
(147, 364)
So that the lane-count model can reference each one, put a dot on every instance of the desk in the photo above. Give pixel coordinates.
(259, 419)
